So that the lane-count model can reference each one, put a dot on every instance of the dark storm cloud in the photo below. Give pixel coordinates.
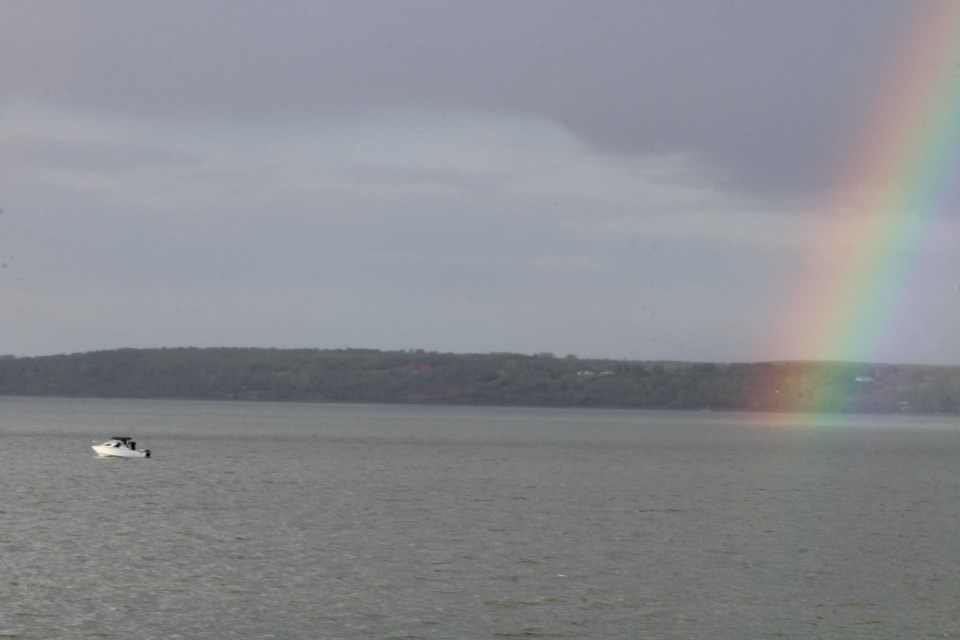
(768, 89)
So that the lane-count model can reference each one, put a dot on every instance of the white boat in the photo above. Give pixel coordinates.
(120, 447)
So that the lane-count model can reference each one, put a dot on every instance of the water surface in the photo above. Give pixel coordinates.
(260, 520)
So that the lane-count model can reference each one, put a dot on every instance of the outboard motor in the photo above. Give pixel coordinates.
(147, 452)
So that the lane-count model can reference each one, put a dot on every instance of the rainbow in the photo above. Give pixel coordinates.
(896, 203)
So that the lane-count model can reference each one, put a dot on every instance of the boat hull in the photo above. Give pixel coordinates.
(107, 451)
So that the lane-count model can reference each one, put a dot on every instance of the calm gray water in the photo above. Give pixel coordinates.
(319, 521)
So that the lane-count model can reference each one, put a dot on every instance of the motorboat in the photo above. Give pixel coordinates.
(120, 447)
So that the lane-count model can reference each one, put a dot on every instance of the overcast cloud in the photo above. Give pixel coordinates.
(610, 179)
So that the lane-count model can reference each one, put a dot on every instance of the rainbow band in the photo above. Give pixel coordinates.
(898, 197)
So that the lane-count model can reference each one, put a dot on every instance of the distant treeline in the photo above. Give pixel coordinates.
(372, 376)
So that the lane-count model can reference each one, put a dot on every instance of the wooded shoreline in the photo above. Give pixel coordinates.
(507, 379)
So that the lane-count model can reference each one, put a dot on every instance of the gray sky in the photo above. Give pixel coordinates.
(609, 179)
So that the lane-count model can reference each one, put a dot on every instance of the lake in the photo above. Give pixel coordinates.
(266, 520)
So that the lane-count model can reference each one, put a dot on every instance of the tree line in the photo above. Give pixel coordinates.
(374, 376)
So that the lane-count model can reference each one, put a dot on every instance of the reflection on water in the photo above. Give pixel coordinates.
(319, 521)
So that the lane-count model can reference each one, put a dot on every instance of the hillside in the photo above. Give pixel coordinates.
(365, 375)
